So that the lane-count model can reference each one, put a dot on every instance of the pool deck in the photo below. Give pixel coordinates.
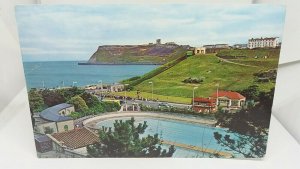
(92, 122)
(197, 148)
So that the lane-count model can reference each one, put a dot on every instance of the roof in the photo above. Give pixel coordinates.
(76, 138)
(52, 114)
(229, 94)
(204, 100)
(42, 138)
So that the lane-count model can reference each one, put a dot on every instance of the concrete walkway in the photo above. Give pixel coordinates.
(92, 122)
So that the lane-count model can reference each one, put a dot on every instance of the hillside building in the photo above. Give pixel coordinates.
(271, 42)
(199, 50)
(215, 48)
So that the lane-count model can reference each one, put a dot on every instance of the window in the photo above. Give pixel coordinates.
(66, 127)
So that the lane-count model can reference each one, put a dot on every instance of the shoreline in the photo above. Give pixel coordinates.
(86, 63)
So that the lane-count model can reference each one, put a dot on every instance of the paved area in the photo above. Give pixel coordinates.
(92, 122)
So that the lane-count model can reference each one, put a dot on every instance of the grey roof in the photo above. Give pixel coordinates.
(52, 114)
(42, 138)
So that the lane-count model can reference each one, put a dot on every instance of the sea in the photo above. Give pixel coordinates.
(54, 74)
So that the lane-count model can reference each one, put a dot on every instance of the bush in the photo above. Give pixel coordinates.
(193, 80)
(79, 104)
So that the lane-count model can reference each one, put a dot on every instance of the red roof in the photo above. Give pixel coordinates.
(204, 100)
(76, 138)
(229, 94)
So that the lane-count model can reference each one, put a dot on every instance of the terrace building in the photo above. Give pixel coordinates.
(271, 42)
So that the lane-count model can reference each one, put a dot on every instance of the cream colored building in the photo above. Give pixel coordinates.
(272, 42)
(199, 50)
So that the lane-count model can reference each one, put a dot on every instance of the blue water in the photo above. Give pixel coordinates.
(181, 132)
(54, 74)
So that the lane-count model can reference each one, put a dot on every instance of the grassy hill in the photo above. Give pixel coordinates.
(137, 54)
(257, 57)
(169, 85)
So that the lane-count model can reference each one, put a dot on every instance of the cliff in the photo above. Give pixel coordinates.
(137, 54)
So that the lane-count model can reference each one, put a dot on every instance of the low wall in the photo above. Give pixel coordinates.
(91, 123)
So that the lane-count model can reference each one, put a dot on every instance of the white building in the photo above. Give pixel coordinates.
(263, 42)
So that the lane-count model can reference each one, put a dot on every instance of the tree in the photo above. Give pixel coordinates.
(251, 93)
(124, 141)
(36, 101)
(248, 128)
(90, 100)
(79, 104)
(52, 97)
(70, 92)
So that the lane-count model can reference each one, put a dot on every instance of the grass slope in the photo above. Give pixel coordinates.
(253, 57)
(168, 85)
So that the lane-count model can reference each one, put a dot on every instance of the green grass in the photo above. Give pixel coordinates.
(253, 57)
(229, 76)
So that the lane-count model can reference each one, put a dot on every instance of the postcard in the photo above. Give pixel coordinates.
(150, 80)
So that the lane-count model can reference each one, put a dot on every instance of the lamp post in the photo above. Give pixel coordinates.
(217, 100)
(43, 82)
(100, 81)
(194, 95)
(74, 84)
(125, 94)
(151, 90)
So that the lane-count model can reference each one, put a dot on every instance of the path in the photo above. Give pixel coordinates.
(241, 64)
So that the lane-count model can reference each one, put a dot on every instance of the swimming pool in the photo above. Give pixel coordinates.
(180, 132)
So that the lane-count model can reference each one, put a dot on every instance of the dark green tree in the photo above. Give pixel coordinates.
(251, 93)
(251, 126)
(79, 104)
(90, 99)
(36, 101)
(52, 97)
(68, 93)
(124, 140)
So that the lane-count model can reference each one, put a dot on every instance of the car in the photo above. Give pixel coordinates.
(163, 105)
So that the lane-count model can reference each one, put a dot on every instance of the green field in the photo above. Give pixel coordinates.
(168, 85)
(254, 57)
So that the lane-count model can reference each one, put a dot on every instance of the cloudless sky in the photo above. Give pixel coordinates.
(70, 32)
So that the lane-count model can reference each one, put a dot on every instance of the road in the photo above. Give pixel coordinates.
(156, 104)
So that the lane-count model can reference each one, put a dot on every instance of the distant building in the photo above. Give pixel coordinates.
(240, 46)
(272, 42)
(75, 141)
(200, 50)
(229, 99)
(204, 105)
(215, 48)
(171, 43)
(55, 119)
(158, 41)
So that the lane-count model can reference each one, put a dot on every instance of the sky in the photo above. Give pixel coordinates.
(70, 32)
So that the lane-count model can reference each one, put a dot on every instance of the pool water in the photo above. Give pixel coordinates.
(180, 132)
